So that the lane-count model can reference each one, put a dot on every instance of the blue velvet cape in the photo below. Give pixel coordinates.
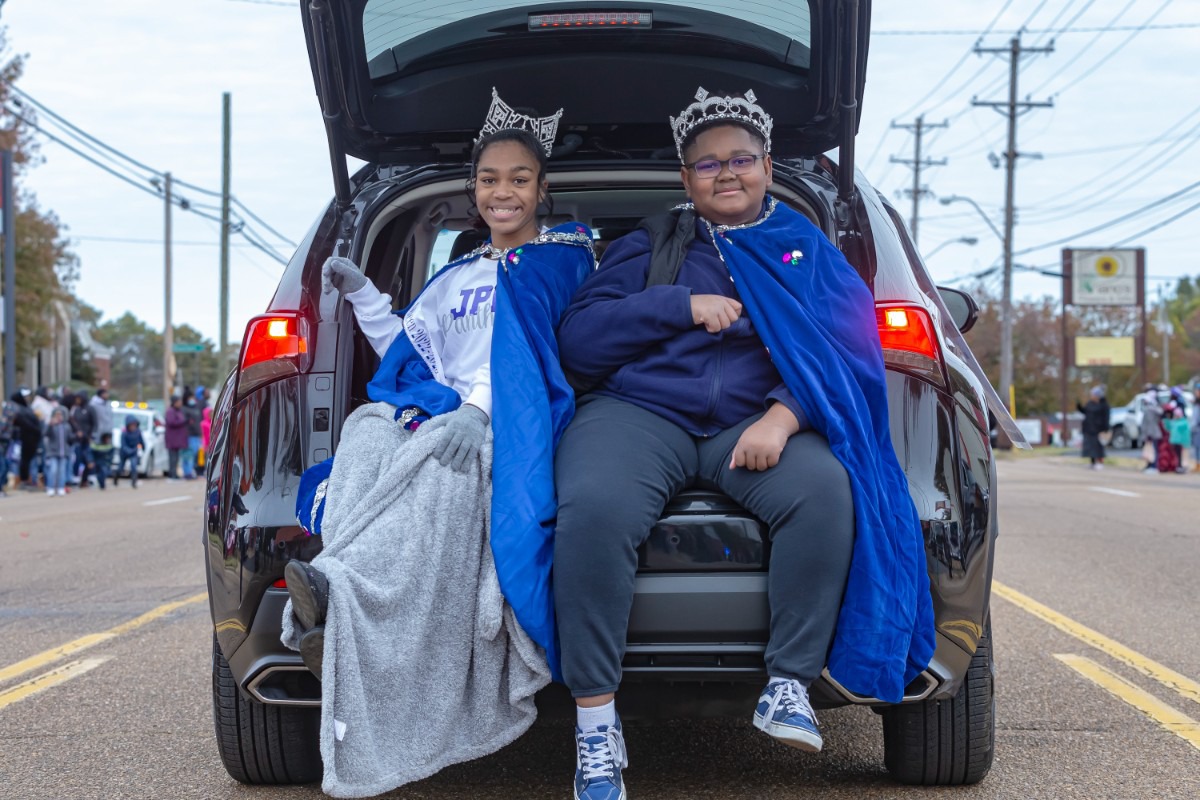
(817, 319)
(531, 406)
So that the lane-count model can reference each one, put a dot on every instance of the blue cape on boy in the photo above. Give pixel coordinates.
(817, 319)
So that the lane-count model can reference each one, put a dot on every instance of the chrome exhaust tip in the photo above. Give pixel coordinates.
(286, 685)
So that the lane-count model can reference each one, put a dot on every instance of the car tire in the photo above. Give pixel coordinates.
(1120, 440)
(946, 742)
(262, 744)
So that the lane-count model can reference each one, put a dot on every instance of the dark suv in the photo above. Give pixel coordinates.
(403, 85)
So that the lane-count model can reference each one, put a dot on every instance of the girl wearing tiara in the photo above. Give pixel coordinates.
(758, 369)
(428, 612)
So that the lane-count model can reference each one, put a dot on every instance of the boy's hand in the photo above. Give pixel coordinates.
(715, 312)
(759, 446)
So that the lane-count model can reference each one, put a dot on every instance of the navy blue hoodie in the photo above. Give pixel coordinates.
(643, 342)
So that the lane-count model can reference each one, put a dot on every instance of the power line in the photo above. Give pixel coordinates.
(183, 203)
(1115, 221)
(93, 142)
(1190, 209)
(1170, 26)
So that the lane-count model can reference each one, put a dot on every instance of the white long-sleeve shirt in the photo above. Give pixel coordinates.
(455, 314)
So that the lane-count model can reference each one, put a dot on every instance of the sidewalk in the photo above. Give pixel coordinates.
(1121, 459)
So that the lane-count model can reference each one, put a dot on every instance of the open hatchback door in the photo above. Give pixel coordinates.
(407, 81)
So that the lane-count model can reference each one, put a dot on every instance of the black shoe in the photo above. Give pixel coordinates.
(309, 591)
(312, 649)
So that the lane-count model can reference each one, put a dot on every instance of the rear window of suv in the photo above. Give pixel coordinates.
(387, 23)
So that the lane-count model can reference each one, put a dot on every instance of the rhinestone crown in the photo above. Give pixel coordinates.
(712, 108)
(501, 117)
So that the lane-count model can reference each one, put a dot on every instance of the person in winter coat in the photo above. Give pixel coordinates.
(192, 412)
(8, 416)
(83, 420)
(1095, 422)
(27, 429)
(57, 452)
(205, 432)
(176, 436)
(132, 446)
(1195, 424)
(104, 413)
(1178, 436)
(1152, 429)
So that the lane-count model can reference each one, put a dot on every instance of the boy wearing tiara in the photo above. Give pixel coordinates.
(758, 370)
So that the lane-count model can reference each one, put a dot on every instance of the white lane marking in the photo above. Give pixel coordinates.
(179, 499)
(1117, 492)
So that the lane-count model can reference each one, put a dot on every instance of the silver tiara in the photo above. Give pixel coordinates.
(501, 117)
(710, 109)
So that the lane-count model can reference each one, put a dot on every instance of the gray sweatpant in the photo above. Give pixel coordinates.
(617, 466)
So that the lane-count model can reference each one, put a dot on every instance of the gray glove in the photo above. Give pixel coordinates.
(463, 438)
(341, 274)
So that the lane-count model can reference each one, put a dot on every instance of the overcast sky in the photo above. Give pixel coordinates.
(146, 77)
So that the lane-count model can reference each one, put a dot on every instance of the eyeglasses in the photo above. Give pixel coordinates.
(711, 167)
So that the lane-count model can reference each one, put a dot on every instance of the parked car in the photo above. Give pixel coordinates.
(403, 85)
(1117, 418)
(154, 459)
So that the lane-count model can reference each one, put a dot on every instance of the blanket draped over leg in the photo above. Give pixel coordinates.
(424, 663)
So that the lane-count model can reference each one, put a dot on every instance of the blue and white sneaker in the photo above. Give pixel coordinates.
(599, 758)
(784, 713)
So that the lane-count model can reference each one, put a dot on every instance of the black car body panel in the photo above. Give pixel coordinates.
(381, 106)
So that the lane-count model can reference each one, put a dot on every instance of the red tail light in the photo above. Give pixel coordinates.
(908, 339)
(275, 346)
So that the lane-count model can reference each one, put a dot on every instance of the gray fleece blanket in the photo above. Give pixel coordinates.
(424, 664)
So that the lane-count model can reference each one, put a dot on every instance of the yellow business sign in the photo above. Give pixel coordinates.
(1104, 351)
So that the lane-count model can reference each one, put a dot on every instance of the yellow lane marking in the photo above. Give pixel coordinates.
(1168, 677)
(92, 639)
(1172, 719)
(47, 680)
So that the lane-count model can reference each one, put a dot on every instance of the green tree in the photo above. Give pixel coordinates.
(82, 369)
(45, 267)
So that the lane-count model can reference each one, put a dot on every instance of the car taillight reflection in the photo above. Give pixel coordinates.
(909, 342)
(275, 346)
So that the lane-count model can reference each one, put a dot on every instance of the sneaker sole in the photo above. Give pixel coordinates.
(793, 737)
(619, 797)
(304, 598)
(312, 650)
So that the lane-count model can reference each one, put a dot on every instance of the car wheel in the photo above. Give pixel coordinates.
(263, 744)
(1120, 440)
(946, 742)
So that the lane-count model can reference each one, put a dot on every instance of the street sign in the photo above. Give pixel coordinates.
(187, 347)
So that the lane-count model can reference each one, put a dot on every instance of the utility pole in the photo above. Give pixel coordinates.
(168, 331)
(225, 176)
(1166, 329)
(918, 128)
(1012, 109)
(10, 276)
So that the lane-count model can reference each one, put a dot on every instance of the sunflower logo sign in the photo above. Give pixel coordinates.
(1104, 277)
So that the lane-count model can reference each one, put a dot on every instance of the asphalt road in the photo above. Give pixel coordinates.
(1097, 575)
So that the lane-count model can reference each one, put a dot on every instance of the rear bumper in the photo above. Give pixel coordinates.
(691, 673)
